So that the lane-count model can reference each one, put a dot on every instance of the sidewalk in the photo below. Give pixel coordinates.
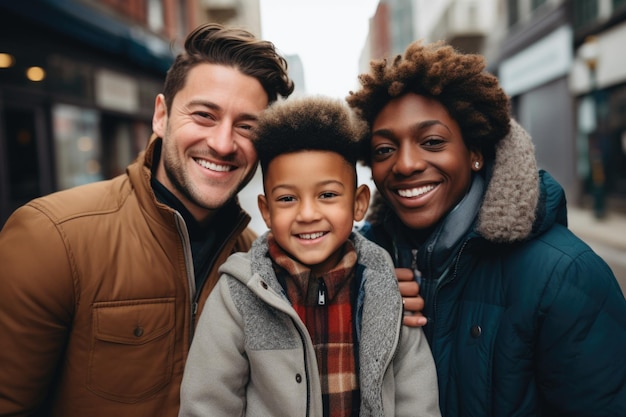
(607, 237)
(610, 231)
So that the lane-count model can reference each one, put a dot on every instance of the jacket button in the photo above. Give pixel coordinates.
(264, 285)
(298, 378)
(138, 331)
(476, 331)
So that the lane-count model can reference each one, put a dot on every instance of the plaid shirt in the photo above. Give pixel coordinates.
(324, 306)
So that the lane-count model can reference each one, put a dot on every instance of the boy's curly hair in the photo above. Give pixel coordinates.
(472, 97)
(308, 123)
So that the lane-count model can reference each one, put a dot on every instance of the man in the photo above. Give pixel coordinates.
(101, 284)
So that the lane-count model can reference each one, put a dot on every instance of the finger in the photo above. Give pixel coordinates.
(409, 288)
(417, 320)
(413, 305)
(404, 274)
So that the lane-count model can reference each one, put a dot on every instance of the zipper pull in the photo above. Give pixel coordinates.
(321, 293)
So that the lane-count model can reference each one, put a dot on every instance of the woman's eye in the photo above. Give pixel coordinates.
(383, 150)
(433, 142)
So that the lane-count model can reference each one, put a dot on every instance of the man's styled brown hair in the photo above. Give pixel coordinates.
(237, 48)
(472, 97)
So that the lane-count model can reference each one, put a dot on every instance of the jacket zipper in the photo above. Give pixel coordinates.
(321, 292)
(447, 282)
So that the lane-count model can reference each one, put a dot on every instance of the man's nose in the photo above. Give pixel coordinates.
(221, 140)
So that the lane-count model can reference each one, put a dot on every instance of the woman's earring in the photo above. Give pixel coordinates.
(476, 164)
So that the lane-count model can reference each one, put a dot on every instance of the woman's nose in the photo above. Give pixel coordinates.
(409, 160)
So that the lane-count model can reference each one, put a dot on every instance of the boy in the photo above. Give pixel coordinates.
(309, 322)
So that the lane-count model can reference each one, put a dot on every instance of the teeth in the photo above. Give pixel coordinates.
(414, 192)
(212, 166)
(309, 236)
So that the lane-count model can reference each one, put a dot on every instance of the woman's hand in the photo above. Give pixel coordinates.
(413, 302)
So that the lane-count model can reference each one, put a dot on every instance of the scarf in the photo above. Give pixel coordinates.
(324, 304)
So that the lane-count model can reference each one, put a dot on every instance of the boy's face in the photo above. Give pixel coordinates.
(207, 154)
(310, 204)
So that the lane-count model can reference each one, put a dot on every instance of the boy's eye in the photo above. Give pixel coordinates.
(286, 198)
(328, 194)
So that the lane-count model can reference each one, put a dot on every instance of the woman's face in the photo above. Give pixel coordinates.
(420, 163)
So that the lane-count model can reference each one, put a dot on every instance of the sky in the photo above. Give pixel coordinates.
(328, 35)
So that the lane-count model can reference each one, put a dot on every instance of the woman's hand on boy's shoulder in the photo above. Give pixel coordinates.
(412, 301)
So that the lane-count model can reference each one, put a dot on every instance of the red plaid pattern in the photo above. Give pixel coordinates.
(330, 325)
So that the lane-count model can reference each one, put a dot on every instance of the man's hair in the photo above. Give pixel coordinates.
(472, 97)
(308, 123)
(213, 43)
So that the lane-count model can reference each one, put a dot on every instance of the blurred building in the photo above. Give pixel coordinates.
(560, 61)
(78, 79)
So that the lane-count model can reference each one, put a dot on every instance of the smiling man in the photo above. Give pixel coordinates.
(101, 284)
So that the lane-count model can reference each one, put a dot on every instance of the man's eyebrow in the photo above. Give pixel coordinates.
(217, 108)
(205, 103)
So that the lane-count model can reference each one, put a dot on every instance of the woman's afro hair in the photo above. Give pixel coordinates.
(308, 123)
(472, 97)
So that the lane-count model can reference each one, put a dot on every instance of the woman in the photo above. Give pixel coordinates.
(523, 317)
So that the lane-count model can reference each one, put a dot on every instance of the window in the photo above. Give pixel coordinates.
(585, 12)
(513, 12)
(155, 15)
(77, 145)
(537, 3)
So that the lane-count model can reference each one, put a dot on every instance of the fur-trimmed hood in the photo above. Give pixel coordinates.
(509, 208)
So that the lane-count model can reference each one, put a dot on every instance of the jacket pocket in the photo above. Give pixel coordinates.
(132, 350)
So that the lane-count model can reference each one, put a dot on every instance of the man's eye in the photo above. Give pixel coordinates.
(204, 115)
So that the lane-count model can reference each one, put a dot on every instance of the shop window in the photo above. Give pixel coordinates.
(77, 145)
(23, 165)
(585, 13)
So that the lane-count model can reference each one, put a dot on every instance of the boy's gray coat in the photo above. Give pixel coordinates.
(253, 356)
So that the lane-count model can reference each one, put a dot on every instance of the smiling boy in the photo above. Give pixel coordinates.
(309, 322)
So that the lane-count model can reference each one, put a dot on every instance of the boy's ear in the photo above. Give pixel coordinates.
(361, 202)
(265, 210)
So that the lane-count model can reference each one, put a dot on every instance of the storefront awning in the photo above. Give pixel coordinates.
(99, 30)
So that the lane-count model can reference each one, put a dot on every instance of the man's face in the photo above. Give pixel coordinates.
(310, 204)
(208, 155)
